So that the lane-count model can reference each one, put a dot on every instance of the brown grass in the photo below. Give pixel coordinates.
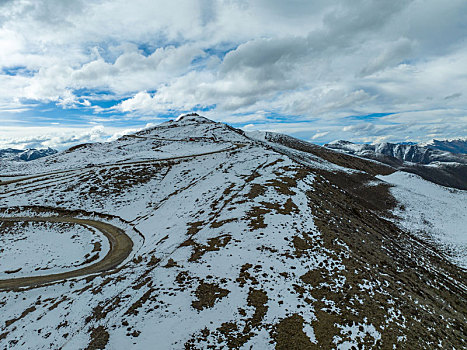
(99, 338)
(289, 334)
(207, 295)
(213, 244)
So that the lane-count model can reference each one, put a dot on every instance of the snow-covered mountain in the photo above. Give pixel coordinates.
(402, 152)
(25, 155)
(433, 162)
(195, 235)
(453, 146)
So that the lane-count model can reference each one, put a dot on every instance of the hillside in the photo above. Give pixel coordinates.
(195, 235)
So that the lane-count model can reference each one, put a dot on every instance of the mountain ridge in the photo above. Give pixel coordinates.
(240, 241)
(453, 146)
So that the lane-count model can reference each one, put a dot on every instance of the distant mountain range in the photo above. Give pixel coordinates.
(438, 151)
(454, 146)
(442, 162)
(25, 155)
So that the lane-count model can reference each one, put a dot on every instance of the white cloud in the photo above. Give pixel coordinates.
(308, 60)
(59, 137)
(391, 54)
(319, 135)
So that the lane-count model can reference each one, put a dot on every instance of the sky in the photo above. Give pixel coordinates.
(321, 70)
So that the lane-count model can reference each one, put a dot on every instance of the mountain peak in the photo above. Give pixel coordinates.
(193, 117)
(340, 142)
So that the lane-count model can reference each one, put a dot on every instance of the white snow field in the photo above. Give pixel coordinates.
(435, 213)
(38, 248)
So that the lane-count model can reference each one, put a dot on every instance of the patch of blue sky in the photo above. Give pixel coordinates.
(46, 114)
(221, 50)
(99, 93)
(198, 63)
(286, 118)
(117, 121)
(105, 99)
(148, 48)
(368, 117)
(408, 61)
(50, 113)
(271, 117)
(17, 70)
(204, 108)
(108, 103)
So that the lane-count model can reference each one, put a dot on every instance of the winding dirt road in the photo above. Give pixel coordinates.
(120, 244)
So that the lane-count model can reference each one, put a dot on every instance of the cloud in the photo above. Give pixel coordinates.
(319, 135)
(60, 137)
(391, 54)
(53, 137)
(243, 61)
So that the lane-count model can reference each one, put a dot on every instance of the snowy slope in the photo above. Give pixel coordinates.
(238, 242)
(434, 212)
(43, 248)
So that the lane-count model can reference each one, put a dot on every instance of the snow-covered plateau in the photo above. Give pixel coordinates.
(196, 235)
